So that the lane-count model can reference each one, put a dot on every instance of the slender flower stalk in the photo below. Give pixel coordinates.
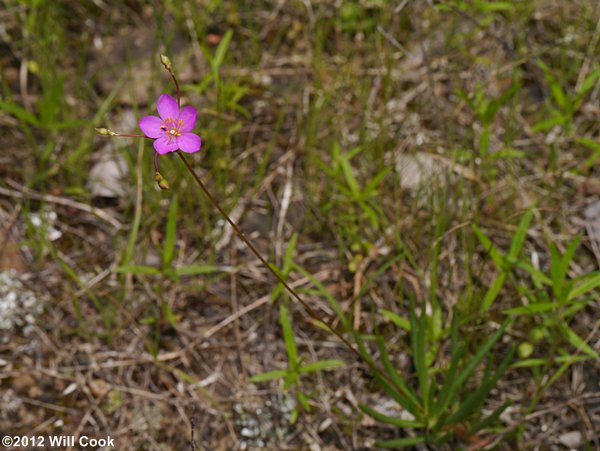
(172, 133)
(258, 255)
(164, 59)
(311, 312)
(107, 132)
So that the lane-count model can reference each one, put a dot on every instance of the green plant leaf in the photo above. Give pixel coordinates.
(593, 281)
(594, 146)
(519, 237)
(327, 295)
(170, 234)
(288, 263)
(556, 119)
(19, 112)
(449, 387)
(400, 442)
(589, 82)
(493, 292)
(288, 337)
(393, 391)
(559, 265)
(489, 247)
(466, 373)
(531, 309)
(409, 399)
(221, 51)
(402, 323)
(538, 276)
(577, 342)
(269, 376)
(168, 314)
(193, 270)
(389, 419)
(322, 365)
(491, 418)
(138, 269)
(418, 329)
(476, 398)
(528, 363)
(350, 178)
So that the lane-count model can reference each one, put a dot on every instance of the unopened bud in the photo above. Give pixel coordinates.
(105, 131)
(164, 59)
(161, 181)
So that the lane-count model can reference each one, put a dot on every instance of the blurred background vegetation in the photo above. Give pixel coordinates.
(424, 173)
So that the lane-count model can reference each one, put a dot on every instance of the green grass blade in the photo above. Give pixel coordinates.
(170, 234)
(19, 112)
(194, 270)
(400, 442)
(476, 360)
(490, 248)
(288, 258)
(531, 309)
(520, 235)
(399, 422)
(493, 292)
(589, 82)
(288, 263)
(411, 402)
(491, 418)
(592, 282)
(137, 216)
(577, 342)
(337, 308)
(539, 277)
(138, 270)
(418, 331)
(268, 376)
(322, 365)
(399, 321)
(393, 391)
(288, 336)
(221, 51)
(449, 377)
(350, 178)
(475, 400)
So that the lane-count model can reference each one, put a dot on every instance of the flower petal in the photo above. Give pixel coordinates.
(150, 125)
(167, 107)
(189, 142)
(188, 116)
(164, 144)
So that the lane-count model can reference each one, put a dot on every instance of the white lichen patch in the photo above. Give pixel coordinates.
(46, 219)
(19, 306)
(261, 423)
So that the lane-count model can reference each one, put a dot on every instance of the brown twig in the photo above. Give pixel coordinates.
(26, 192)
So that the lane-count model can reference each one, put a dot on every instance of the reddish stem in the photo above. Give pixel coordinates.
(126, 135)
(312, 313)
(176, 87)
(255, 251)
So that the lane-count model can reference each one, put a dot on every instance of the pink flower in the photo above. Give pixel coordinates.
(172, 129)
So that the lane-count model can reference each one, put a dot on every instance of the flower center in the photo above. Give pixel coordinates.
(172, 127)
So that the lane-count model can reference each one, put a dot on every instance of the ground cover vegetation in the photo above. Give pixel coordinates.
(422, 174)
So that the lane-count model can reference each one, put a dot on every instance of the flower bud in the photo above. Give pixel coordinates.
(105, 131)
(161, 181)
(164, 59)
